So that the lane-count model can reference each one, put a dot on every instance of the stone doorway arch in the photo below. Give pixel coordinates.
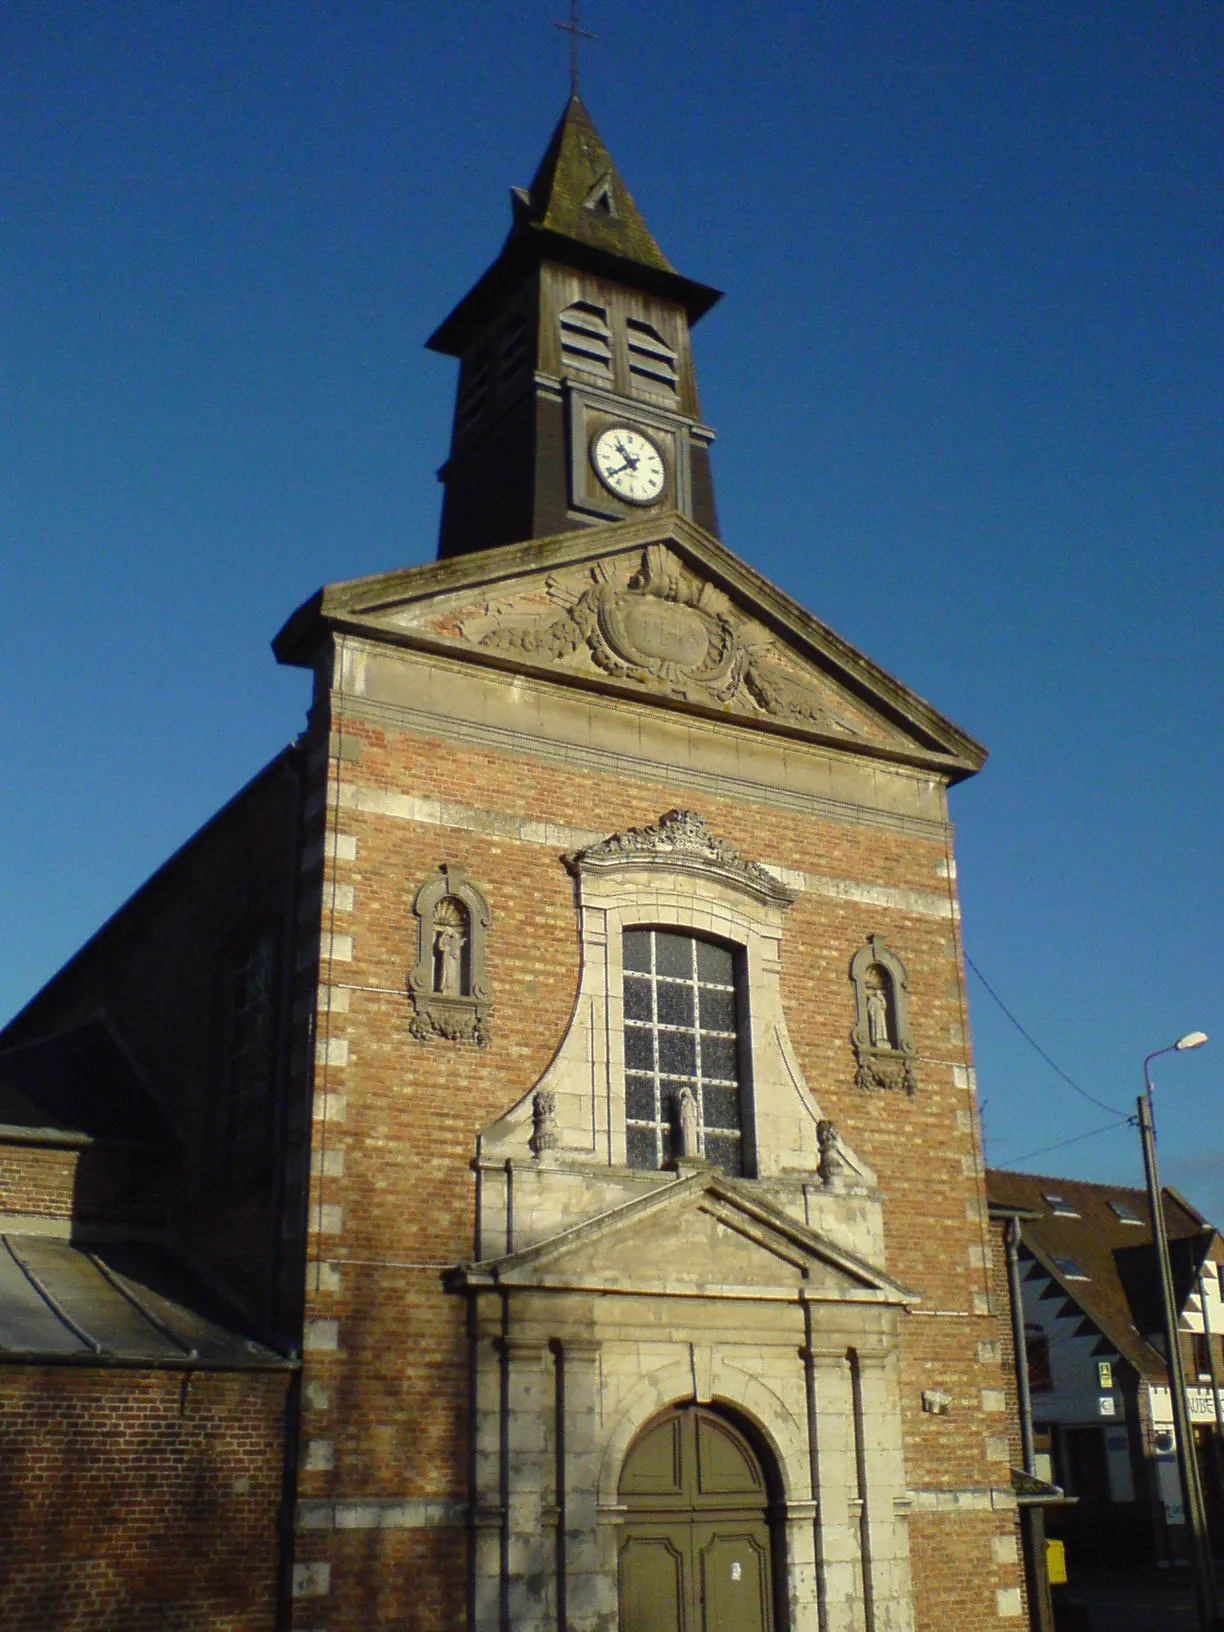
(696, 1553)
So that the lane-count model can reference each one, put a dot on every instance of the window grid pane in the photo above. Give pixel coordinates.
(680, 1032)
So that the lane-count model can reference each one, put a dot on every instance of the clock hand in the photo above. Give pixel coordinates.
(630, 462)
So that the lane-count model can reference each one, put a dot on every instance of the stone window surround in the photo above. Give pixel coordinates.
(704, 889)
(674, 874)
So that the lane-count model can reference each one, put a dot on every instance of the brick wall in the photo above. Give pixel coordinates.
(98, 1183)
(139, 1501)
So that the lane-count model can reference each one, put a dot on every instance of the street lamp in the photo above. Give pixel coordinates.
(1187, 1463)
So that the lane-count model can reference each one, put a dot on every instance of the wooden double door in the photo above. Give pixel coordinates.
(695, 1549)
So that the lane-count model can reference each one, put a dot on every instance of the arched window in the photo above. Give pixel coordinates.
(682, 1051)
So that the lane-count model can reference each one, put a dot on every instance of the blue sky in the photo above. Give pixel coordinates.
(966, 383)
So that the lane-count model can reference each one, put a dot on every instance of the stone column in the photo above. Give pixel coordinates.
(488, 1513)
(801, 1587)
(588, 1590)
(527, 1556)
(831, 1430)
(886, 1564)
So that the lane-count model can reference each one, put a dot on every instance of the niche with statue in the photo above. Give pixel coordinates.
(883, 1048)
(448, 984)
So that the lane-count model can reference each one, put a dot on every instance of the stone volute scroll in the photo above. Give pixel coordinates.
(448, 984)
(883, 1047)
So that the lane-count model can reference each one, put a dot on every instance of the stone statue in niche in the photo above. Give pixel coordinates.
(879, 1030)
(448, 986)
(883, 1048)
(686, 1107)
(450, 947)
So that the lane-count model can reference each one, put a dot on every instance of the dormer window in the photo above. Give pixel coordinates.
(1125, 1213)
(586, 340)
(1058, 1205)
(652, 362)
(1070, 1270)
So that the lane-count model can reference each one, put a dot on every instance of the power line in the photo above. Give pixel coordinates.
(1029, 1038)
(1062, 1143)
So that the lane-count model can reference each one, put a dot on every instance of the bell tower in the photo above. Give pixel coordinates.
(577, 402)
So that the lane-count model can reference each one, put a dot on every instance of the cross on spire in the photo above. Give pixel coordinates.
(575, 33)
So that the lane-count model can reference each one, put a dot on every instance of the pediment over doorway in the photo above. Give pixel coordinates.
(701, 1235)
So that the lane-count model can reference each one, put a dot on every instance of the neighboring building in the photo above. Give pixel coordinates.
(1102, 1417)
(564, 1049)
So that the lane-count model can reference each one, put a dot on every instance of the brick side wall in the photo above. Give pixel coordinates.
(153, 971)
(137, 1500)
(97, 1184)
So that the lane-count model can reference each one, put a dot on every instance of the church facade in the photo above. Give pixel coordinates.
(610, 1187)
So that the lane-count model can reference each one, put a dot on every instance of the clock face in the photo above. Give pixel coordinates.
(628, 464)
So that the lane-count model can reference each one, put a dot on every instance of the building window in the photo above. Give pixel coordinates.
(1125, 1213)
(1037, 1358)
(586, 340)
(681, 1034)
(513, 350)
(1059, 1205)
(652, 362)
(474, 393)
(247, 1064)
(1202, 1354)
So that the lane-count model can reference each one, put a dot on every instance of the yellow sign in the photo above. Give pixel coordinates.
(1056, 1563)
(1104, 1374)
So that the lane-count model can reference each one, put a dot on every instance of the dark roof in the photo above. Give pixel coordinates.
(579, 212)
(80, 1082)
(578, 193)
(128, 1302)
(1121, 1296)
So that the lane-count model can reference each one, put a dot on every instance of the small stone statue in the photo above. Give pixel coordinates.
(877, 1017)
(688, 1126)
(448, 959)
(543, 1122)
(832, 1162)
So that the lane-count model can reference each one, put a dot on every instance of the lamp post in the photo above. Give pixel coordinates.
(1187, 1464)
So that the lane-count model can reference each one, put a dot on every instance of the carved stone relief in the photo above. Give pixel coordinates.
(448, 986)
(681, 839)
(883, 1047)
(646, 618)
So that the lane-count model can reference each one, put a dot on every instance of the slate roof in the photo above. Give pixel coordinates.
(81, 1083)
(1121, 1296)
(129, 1302)
(577, 192)
(578, 212)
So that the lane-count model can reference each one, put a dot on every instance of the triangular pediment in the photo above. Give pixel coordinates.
(701, 1234)
(657, 609)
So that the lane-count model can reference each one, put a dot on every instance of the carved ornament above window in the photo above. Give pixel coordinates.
(883, 1046)
(448, 985)
(680, 841)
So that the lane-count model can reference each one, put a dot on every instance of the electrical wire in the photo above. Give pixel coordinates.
(1063, 1143)
(1029, 1038)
